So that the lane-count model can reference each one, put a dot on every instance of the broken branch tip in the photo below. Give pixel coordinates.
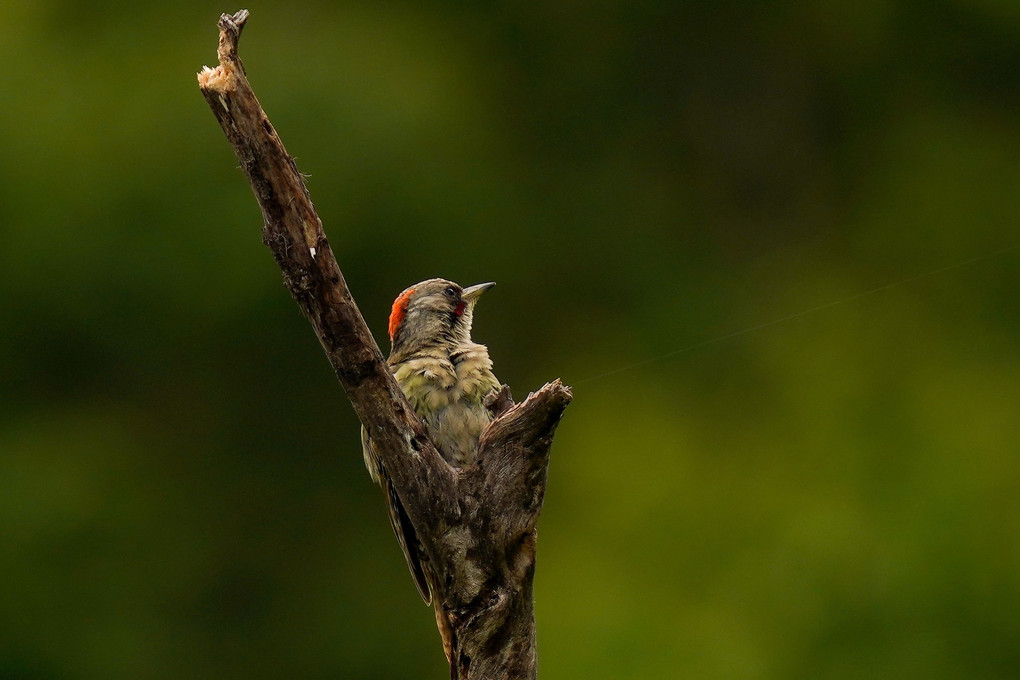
(235, 21)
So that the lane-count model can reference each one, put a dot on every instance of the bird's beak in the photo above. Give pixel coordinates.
(472, 293)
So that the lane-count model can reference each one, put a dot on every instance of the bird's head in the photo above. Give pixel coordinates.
(433, 313)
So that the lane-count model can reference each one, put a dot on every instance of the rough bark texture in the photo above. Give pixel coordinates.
(476, 524)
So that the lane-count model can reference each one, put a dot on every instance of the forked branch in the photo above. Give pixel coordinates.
(476, 524)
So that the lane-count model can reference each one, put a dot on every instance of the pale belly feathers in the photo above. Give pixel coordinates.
(448, 394)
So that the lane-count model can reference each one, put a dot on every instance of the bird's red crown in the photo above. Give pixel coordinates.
(399, 310)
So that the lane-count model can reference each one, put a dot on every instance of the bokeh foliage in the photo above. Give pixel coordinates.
(833, 496)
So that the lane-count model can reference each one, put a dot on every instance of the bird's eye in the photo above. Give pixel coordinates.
(451, 292)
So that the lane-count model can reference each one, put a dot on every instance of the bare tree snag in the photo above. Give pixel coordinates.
(477, 523)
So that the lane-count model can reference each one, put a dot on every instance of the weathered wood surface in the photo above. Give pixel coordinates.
(476, 524)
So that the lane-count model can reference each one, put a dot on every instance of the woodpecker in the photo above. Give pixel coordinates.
(446, 377)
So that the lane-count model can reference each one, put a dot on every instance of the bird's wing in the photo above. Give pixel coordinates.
(408, 541)
(369, 453)
(401, 523)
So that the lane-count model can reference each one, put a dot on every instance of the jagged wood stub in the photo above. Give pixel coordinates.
(476, 524)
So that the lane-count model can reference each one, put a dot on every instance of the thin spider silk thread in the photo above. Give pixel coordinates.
(796, 315)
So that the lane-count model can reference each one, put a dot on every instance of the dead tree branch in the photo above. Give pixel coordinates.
(476, 524)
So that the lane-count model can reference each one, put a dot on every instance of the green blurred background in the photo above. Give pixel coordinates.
(833, 496)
